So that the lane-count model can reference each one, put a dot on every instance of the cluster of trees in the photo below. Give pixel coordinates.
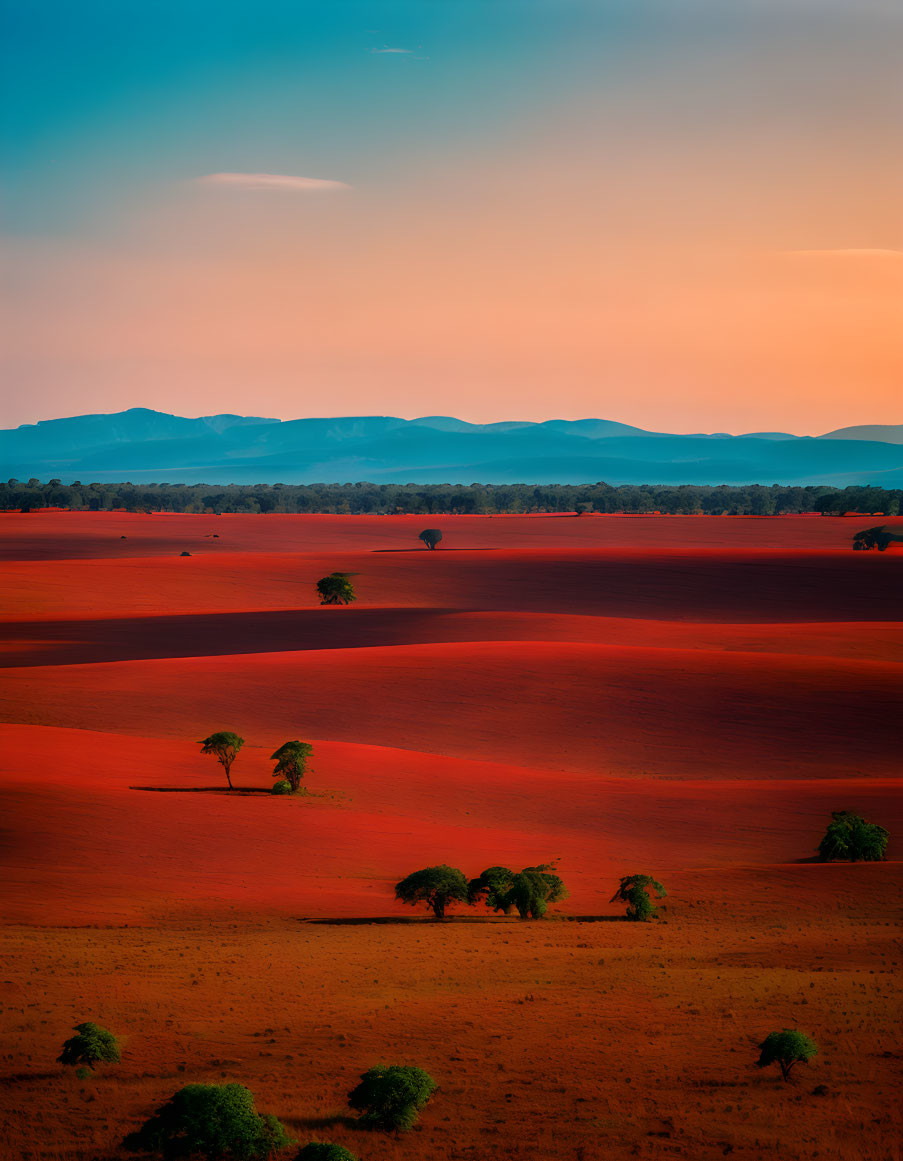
(528, 892)
(463, 499)
(290, 758)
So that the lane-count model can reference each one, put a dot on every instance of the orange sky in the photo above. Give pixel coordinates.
(709, 242)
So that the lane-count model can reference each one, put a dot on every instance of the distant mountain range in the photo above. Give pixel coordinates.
(143, 446)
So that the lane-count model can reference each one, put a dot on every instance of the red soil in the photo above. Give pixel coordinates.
(687, 696)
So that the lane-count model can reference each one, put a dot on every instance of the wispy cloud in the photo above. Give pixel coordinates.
(272, 181)
(396, 51)
(850, 252)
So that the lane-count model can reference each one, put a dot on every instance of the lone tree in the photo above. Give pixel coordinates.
(224, 745)
(430, 537)
(787, 1048)
(391, 1097)
(529, 891)
(850, 837)
(212, 1121)
(323, 1151)
(91, 1045)
(632, 890)
(434, 886)
(291, 763)
(336, 589)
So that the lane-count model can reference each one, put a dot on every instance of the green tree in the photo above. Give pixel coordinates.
(430, 537)
(437, 887)
(322, 1151)
(529, 891)
(291, 763)
(787, 1048)
(213, 1121)
(336, 589)
(391, 1097)
(493, 888)
(224, 745)
(91, 1045)
(534, 889)
(633, 890)
(850, 837)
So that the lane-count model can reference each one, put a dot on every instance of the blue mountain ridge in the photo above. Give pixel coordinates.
(145, 445)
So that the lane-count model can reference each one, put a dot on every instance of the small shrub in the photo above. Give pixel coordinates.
(83, 1073)
(391, 1097)
(321, 1151)
(282, 787)
(92, 1045)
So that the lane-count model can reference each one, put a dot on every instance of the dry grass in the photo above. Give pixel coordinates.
(550, 1039)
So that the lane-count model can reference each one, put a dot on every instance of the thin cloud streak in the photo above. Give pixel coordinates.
(272, 181)
(391, 51)
(850, 252)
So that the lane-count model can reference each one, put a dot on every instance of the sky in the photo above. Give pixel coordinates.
(685, 215)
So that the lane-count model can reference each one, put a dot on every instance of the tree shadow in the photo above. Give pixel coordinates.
(340, 1120)
(457, 920)
(236, 792)
(482, 548)
(24, 1077)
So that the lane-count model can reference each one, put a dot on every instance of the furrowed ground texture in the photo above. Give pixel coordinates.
(689, 697)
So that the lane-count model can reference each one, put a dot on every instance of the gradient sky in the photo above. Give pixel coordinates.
(684, 214)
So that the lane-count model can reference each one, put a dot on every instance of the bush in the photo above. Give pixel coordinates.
(320, 1151)
(282, 787)
(391, 1097)
(84, 1073)
(850, 837)
(786, 1048)
(92, 1045)
(213, 1121)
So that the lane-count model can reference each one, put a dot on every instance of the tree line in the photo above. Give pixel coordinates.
(452, 499)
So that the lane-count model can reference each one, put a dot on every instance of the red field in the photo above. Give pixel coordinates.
(688, 696)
